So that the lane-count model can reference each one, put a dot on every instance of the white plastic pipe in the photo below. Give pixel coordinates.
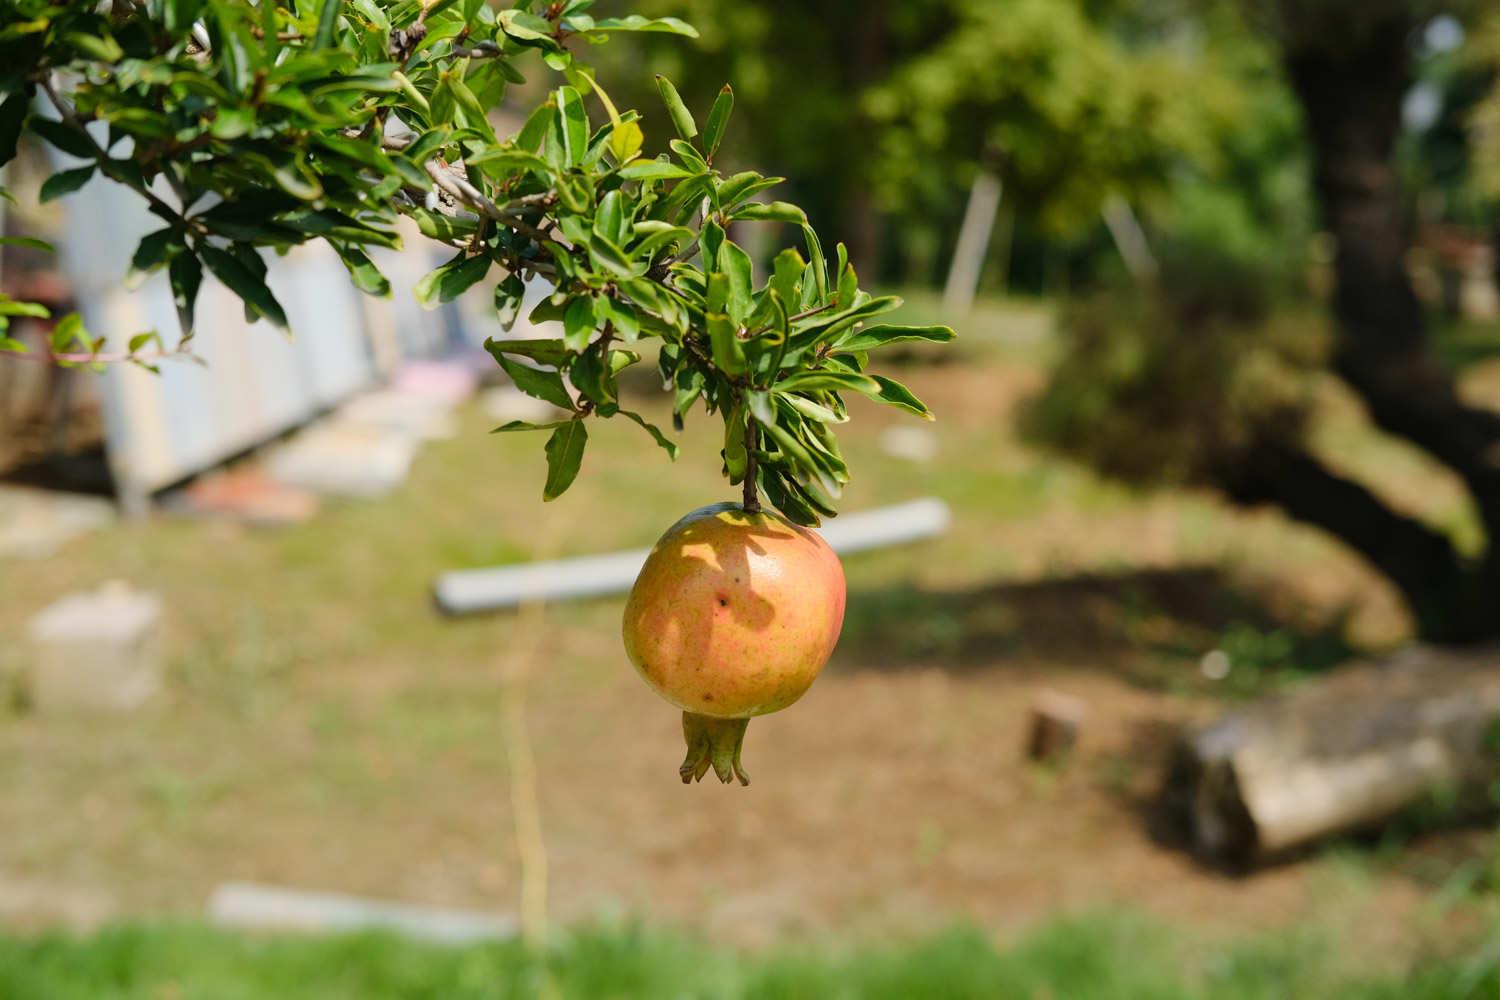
(471, 591)
(262, 907)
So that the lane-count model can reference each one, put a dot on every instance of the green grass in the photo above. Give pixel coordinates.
(1109, 958)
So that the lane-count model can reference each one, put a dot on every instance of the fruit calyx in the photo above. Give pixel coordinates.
(716, 743)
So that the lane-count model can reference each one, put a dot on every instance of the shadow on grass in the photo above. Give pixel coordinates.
(1152, 626)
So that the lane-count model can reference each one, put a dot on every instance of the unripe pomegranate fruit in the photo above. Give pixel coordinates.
(733, 615)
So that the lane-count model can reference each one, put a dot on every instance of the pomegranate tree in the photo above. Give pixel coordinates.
(248, 126)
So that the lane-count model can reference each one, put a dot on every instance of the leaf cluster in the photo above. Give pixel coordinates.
(274, 125)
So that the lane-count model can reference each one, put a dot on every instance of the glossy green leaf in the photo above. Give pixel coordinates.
(245, 283)
(878, 336)
(544, 350)
(718, 120)
(450, 280)
(666, 443)
(522, 425)
(653, 170)
(894, 393)
(836, 381)
(564, 457)
(537, 383)
(682, 118)
(65, 182)
(636, 22)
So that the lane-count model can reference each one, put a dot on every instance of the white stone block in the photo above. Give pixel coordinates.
(96, 651)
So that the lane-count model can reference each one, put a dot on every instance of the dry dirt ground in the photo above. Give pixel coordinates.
(323, 728)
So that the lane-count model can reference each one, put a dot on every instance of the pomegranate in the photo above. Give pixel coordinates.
(732, 616)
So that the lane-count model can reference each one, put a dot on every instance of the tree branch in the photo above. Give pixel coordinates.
(1440, 590)
(70, 117)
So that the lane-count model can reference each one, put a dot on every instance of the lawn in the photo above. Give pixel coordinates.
(1081, 959)
(324, 728)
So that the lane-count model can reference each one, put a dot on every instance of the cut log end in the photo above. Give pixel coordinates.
(1344, 754)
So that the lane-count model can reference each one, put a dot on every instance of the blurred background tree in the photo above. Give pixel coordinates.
(885, 112)
(1237, 132)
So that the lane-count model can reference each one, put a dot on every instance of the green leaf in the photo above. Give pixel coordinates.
(66, 331)
(502, 162)
(524, 26)
(590, 377)
(736, 264)
(666, 443)
(328, 16)
(837, 381)
(653, 170)
(27, 241)
(578, 323)
(13, 112)
(718, 120)
(734, 442)
(636, 22)
(100, 47)
(65, 182)
(544, 385)
(776, 211)
(564, 456)
(621, 315)
(142, 340)
(154, 248)
(508, 298)
(442, 227)
(522, 425)
(245, 283)
(573, 124)
(367, 277)
(186, 275)
(895, 394)
(808, 408)
(744, 185)
(760, 407)
(682, 118)
(65, 137)
(877, 336)
(450, 280)
(625, 141)
(545, 351)
(609, 218)
(728, 352)
(11, 307)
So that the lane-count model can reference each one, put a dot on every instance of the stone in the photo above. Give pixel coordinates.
(1055, 721)
(95, 651)
(35, 523)
(343, 458)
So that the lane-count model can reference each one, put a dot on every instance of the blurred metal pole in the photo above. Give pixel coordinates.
(1129, 238)
(973, 243)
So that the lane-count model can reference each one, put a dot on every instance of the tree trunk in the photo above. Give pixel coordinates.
(1345, 754)
(860, 220)
(1351, 87)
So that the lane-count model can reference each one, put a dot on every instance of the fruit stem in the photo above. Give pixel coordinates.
(752, 441)
(713, 743)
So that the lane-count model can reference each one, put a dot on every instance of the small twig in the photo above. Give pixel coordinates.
(70, 116)
(752, 441)
(113, 358)
(480, 50)
(811, 312)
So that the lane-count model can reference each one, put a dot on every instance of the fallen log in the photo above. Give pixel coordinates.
(1345, 753)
